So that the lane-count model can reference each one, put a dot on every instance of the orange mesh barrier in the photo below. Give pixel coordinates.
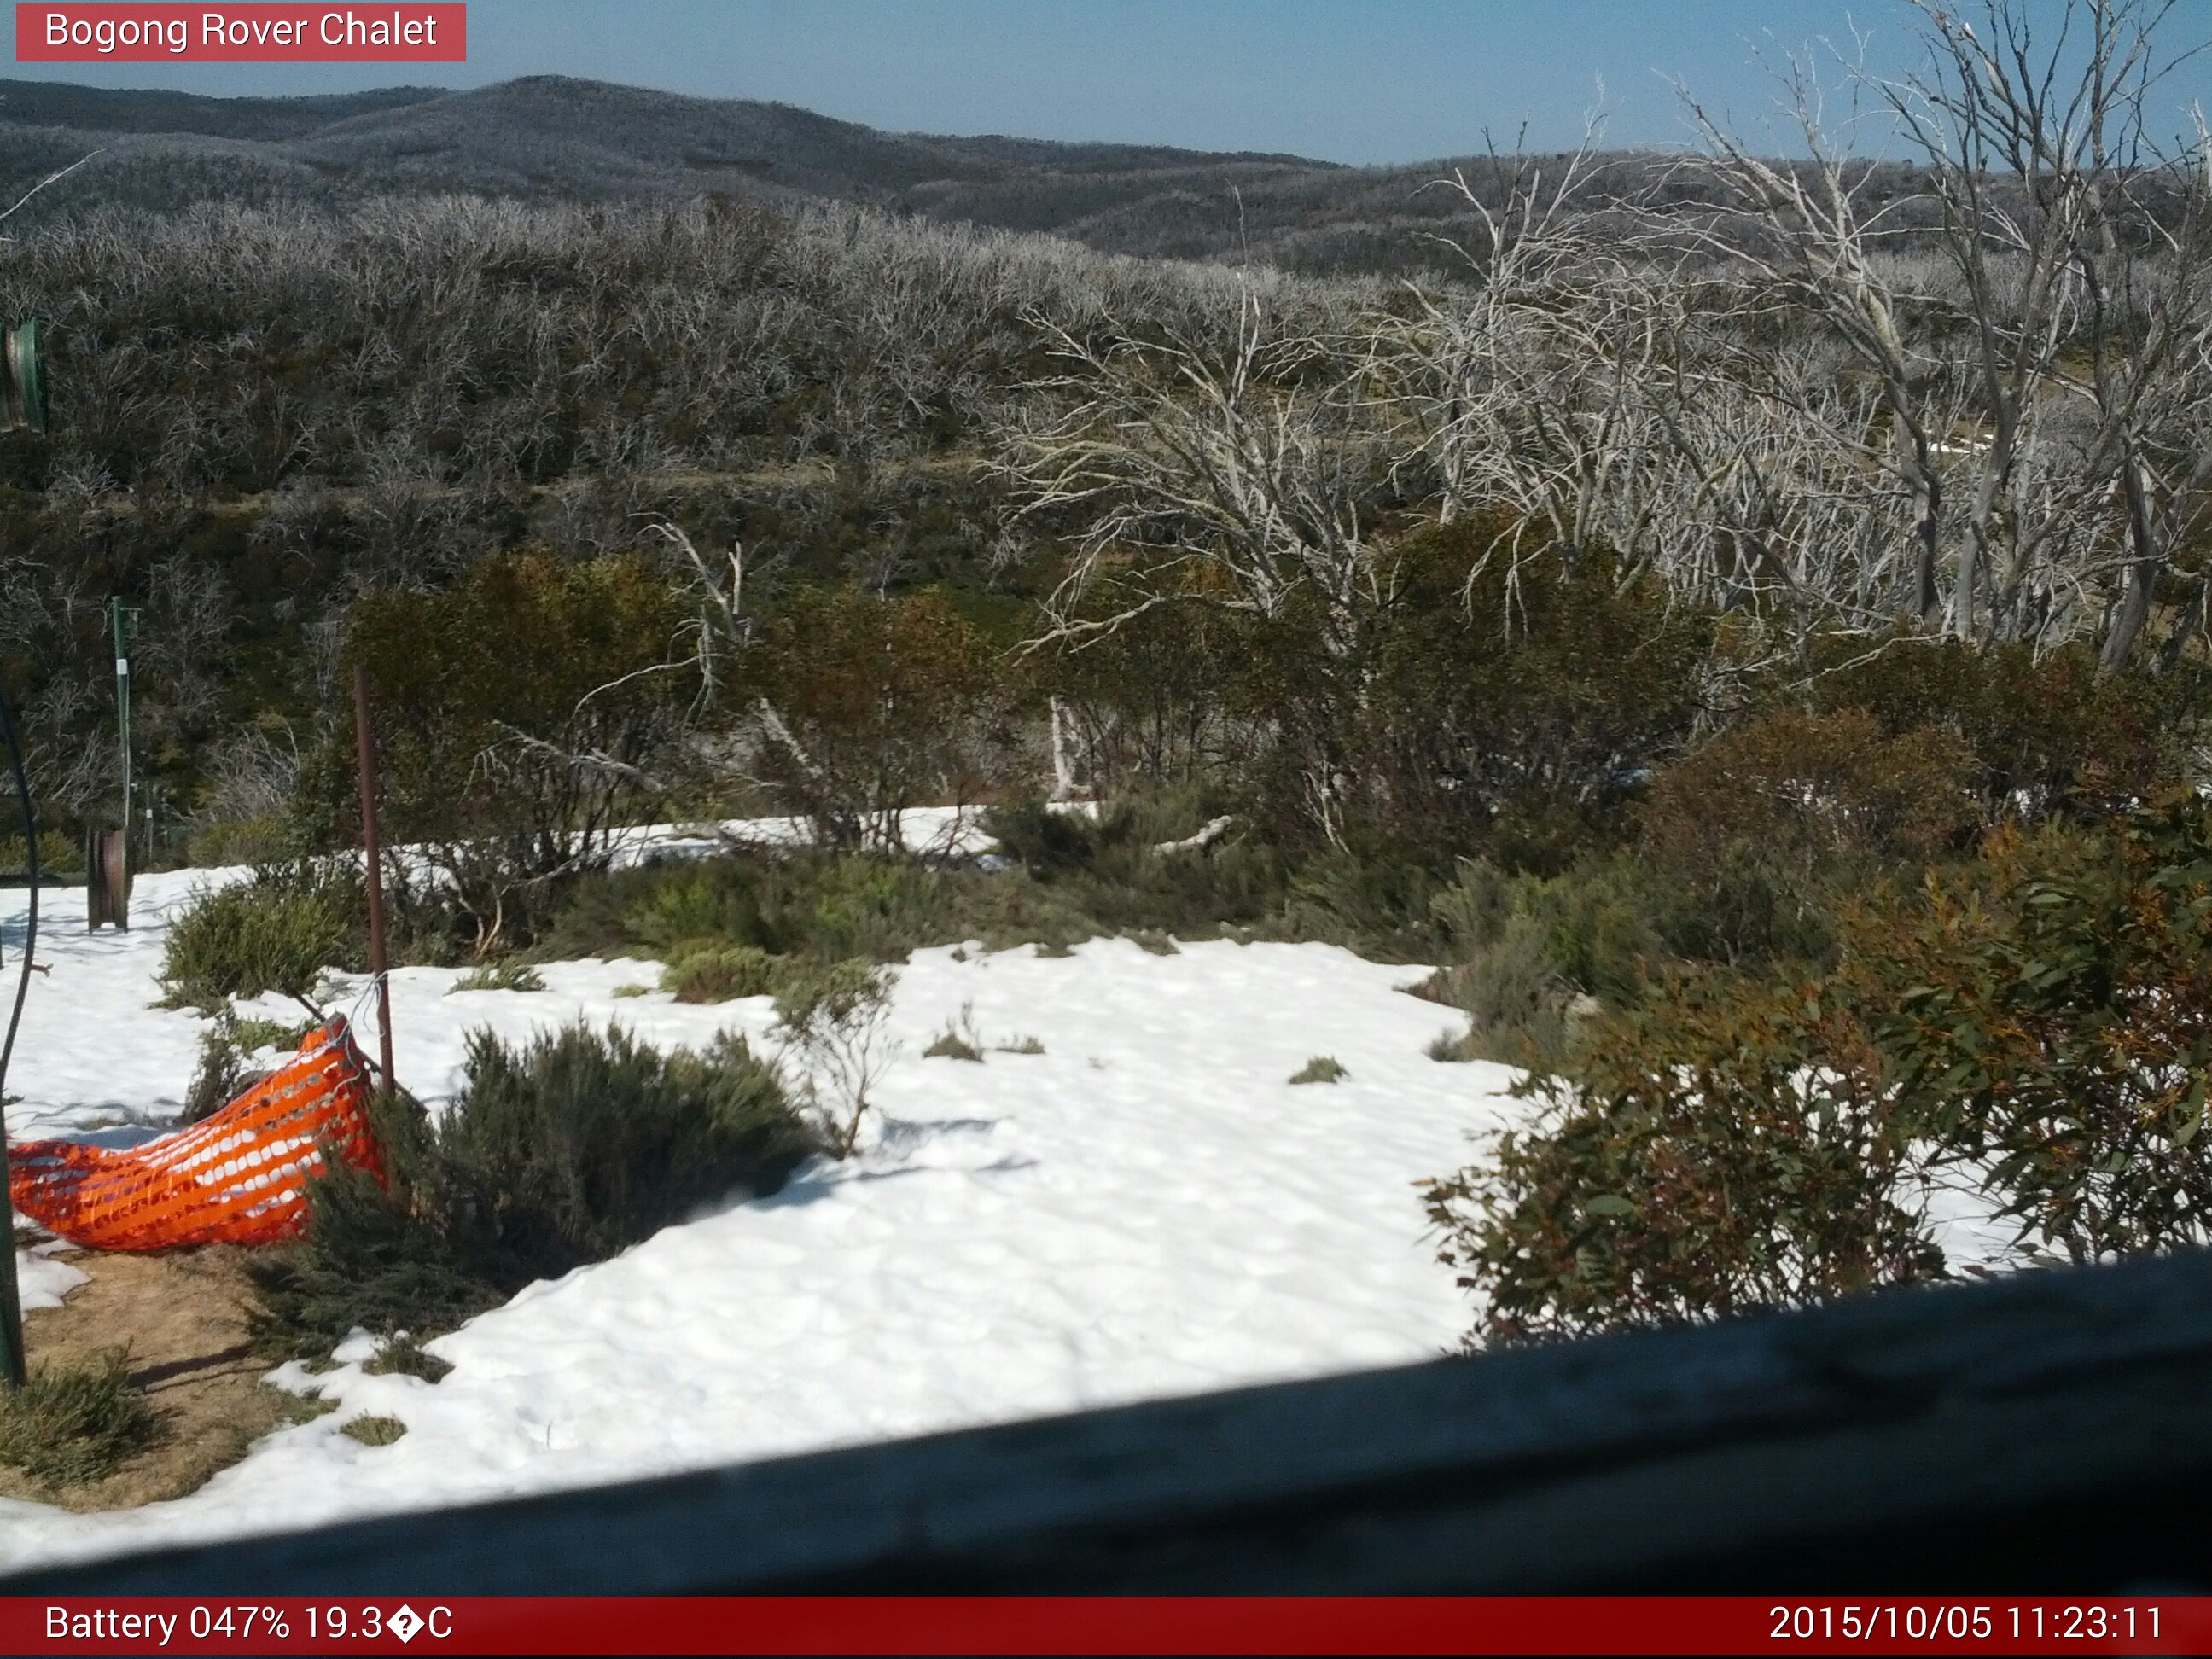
(238, 1177)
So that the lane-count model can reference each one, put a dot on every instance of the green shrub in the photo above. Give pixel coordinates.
(1529, 957)
(483, 686)
(1452, 1048)
(683, 904)
(958, 1040)
(827, 908)
(1808, 790)
(67, 1427)
(373, 1431)
(371, 1260)
(704, 971)
(2048, 733)
(565, 1151)
(225, 1071)
(402, 1355)
(298, 1409)
(834, 1019)
(1729, 1145)
(582, 1143)
(887, 701)
(252, 841)
(58, 855)
(277, 931)
(1500, 703)
(499, 976)
(1321, 1068)
(1763, 825)
(252, 1035)
(1379, 907)
(871, 909)
(1045, 842)
(2038, 1020)
(2048, 1012)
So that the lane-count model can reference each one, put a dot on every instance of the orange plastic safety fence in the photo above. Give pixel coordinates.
(238, 1177)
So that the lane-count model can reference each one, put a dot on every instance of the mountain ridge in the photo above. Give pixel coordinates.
(537, 136)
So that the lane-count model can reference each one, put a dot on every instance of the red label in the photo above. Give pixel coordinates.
(286, 33)
(419, 1623)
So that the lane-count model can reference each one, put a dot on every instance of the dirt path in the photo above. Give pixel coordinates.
(180, 1315)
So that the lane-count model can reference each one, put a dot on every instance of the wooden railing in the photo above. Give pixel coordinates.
(2051, 1432)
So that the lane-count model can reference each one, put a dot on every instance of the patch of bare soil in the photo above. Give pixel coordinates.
(180, 1317)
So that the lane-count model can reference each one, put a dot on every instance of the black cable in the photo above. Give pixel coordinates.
(31, 855)
(11, 1309)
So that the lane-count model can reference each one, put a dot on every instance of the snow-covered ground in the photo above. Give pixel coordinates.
(1147, 1207)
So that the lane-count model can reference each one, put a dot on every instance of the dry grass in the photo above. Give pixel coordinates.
(179, 1316)
(373, 1431)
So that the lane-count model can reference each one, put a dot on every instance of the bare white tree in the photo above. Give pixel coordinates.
(1247, 476)
(2033, 388)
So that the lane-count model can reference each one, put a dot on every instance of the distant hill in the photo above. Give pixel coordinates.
(551, 136)
(102, 109)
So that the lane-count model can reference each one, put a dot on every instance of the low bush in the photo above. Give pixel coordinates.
(2037, 1020)
(680, 904)
(1762, 826)
(2048, 734)
(373, 1431)
(58, 855)
(702, 970)
(226, 1068)
(1379, 907)
(499, 976)
(824, 908)
(1814, 787)
(1321, 1068)
(959, 1040)
(401, 1356)
(277, 931)
(66, 1427)
(561, 1153)
(1729, 1145)
(1047, 841)
(2048, 1013)
(252, 840)
(1529, 958)
(834, 1020)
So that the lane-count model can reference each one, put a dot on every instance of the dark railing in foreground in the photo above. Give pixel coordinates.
(2049, 1433)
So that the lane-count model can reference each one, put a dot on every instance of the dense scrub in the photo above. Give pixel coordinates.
(564, 1152)
(261, 414)
(2033, 1021)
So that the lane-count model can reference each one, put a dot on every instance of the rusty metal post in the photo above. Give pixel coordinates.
(106, 879)
(365, 741)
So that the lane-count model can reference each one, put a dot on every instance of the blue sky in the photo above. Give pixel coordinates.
(1360, 81)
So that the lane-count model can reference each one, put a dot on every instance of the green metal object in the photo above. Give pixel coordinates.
(26, 365)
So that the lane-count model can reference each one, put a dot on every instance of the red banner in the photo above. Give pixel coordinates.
(1133, 1624)
(359, 33)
